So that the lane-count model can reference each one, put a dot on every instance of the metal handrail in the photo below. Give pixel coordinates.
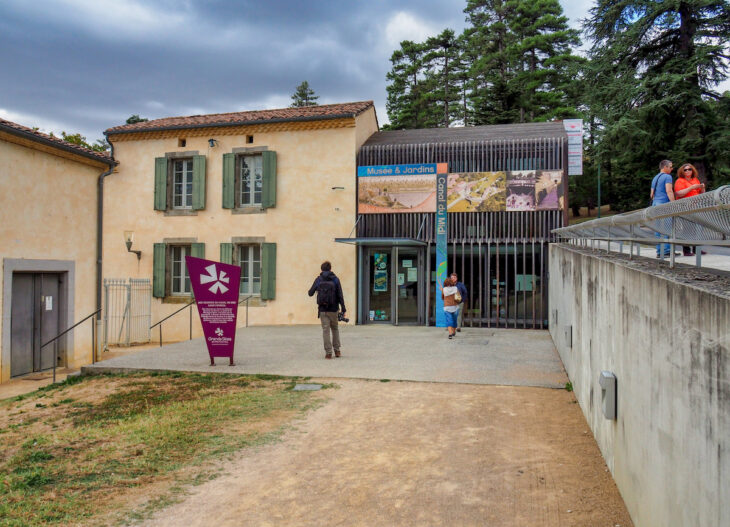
(699, 220)
(93, 341)
(172, 315)
(190, 334)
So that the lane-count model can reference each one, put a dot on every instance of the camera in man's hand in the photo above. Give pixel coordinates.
(341, 317)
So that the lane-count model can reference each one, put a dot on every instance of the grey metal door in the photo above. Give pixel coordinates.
(34, 319)
(48, 323)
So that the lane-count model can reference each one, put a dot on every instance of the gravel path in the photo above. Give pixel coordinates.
(405, 453)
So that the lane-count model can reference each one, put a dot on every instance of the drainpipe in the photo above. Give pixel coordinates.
(99, 240)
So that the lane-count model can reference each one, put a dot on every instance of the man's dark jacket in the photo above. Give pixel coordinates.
(332, 308)
(462, 291)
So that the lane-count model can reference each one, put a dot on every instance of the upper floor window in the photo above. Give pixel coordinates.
(182, 184)
(250, 169)
(249, 180)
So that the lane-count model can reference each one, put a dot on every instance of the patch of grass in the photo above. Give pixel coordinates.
(151, 426)
(384, 380)
(569, 386)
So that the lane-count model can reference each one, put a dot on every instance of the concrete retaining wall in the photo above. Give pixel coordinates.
(667, 343)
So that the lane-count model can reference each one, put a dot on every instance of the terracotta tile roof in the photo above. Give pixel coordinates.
(305, 113)
(40, 137)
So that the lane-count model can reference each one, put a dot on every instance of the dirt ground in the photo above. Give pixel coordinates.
(402, 453)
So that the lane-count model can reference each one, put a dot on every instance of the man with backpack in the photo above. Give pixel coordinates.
(329, 300)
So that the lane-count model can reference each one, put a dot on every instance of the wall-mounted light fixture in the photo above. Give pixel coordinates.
(212, 142)
(128, 239)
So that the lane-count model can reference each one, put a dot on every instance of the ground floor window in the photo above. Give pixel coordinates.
(249, 258)
(170, 276)
(179, 276)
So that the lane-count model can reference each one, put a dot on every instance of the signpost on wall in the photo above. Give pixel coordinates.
(442, 174)
(215, 286)
(574, 129)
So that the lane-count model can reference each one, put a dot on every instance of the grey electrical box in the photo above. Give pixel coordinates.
(608, 394)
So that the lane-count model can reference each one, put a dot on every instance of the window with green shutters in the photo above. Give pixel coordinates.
(180, 183)
(170, 276)
(227, 253)
(258, 267)
(249, 180)
(249, 258)
(268, 271)
(158, 270)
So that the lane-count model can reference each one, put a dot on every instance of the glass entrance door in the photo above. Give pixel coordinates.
(380, 289)
(395, 284)
(407, 278)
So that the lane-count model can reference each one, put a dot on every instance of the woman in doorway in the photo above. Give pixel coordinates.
(687, 185)
(451, 306)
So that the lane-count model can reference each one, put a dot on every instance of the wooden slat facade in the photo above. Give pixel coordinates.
(500, 256)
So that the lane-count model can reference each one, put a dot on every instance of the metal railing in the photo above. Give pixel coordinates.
(190, 323)
(127, 311)
(93, 340)
(698, 220)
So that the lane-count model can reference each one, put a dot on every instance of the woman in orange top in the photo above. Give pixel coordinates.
(687, 185)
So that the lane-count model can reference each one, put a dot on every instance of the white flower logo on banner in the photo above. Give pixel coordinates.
(217, 279)
(219, 332)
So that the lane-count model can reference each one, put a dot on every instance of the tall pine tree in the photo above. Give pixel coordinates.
(492, 93)
(407, 103)
(541, 55)
(523, 62)
(441, 61)
(304, 96)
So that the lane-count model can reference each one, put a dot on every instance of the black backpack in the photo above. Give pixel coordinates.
(326, 293)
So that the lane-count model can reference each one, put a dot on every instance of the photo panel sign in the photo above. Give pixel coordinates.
(477, 192)
(549, 190)
(396, 188)
(521, 190)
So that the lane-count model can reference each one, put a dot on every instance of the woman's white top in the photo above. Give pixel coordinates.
(448, 291)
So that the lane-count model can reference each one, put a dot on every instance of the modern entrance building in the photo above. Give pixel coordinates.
(507, 188)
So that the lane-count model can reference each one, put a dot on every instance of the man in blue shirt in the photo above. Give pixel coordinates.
(662, 192)
(464, 296)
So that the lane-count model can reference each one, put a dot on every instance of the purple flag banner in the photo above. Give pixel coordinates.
(215, 286)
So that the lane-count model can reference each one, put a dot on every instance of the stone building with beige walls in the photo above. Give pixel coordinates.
(48, 235)
(267, 190)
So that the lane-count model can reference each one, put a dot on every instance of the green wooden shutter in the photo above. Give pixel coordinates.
(158, 270)
(160, 183)
(268, 195)
(229, 181)
(197, 250)
(268, 271)
(227, 253)
(198, 182)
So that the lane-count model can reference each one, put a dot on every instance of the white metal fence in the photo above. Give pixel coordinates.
(127, 311)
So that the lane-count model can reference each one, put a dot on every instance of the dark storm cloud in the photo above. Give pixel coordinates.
(86, 65)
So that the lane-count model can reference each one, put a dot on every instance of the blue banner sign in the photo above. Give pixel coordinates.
(441, 240)
(397, 170)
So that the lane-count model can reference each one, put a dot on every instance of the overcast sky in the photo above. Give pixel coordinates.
(86, 65)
